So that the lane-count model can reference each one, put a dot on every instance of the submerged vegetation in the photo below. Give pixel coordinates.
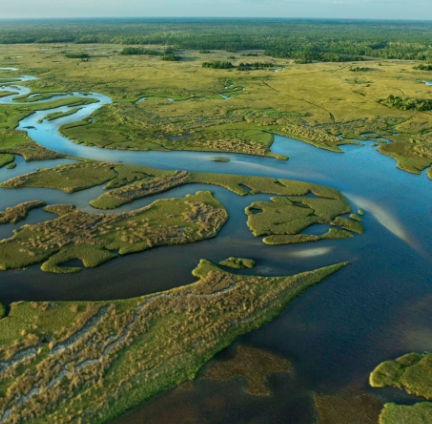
(254, 365)
(349, 406)
(94, 360)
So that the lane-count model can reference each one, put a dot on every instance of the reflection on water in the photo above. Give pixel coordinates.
(307, 253)
(384, 217)
(377, 308)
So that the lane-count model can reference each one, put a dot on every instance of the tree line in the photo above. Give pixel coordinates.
(302, 40)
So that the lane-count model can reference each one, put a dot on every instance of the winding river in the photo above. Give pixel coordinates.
(377, 308)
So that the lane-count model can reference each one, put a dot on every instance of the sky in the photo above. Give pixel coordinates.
(357, 9)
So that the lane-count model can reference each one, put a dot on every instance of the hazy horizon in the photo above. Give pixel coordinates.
(312, 9)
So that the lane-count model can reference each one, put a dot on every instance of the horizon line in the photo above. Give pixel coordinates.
(216, 17)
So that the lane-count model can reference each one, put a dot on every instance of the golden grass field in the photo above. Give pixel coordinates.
(313, 102)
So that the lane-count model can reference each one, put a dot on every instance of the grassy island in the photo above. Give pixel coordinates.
(238, 263)
(60, 360)
(97, 238)
(284, 218)
(19, 212)
(413, 373)
(281, 220)
(6, 159)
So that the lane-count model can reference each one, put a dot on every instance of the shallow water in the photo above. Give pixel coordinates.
(377, 308)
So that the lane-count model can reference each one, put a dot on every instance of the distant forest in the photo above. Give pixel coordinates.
(303, 40)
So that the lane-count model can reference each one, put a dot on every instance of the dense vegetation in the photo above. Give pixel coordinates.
(423, 67)
(131, 51)
(304, 40)
(255, 65)
(218, 64)
(404, 103)
(359, 69)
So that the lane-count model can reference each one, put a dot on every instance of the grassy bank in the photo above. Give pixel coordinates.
(97, 359)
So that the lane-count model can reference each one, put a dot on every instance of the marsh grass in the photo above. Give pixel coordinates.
(97, 359)
(97, 238)
(283, 219)
(314, 102)
(238, 263)
(412, 373)
(6, 159)
(19, 212)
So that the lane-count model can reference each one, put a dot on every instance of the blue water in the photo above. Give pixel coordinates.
(377, 308)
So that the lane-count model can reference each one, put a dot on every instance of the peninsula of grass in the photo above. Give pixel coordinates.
(19, 212)
(97, 238)
(238, 263)
(16, 142)
(253, 365)
(6, 159)
(60, 210)
(332, 234)
(56, 115)
(412, 373)
(95, 360)
(419, 413)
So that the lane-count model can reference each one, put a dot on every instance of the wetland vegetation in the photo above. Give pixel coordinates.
(97, 238)
(281, 220)
(251, 364)
(238, 263)
(94, 360)
(261, 103)
(412, 373)
(19, 212)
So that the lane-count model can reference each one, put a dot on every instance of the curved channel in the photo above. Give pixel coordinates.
(336, 333)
